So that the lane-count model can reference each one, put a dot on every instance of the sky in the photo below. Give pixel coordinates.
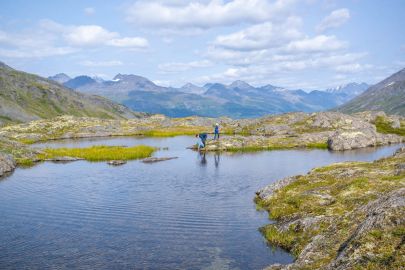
(307, 44)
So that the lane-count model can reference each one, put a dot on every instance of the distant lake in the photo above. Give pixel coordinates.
(194, 212)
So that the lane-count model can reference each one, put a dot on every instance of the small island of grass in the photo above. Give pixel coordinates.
(99, 153)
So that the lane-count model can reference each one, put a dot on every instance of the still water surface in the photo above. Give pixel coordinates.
(194, 212)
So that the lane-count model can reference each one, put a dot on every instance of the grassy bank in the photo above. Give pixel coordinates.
(323, 211)
(100, 153)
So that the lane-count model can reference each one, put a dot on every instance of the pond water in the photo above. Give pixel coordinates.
(194, 212)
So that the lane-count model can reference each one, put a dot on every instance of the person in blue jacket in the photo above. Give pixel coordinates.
(216, 132)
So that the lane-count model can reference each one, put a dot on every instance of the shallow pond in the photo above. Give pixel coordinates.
(194, 212)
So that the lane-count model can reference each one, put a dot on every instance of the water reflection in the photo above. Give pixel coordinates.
(167, 215)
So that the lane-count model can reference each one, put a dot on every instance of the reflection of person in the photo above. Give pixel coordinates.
(216, 131)
(216, 159)
(203, 159)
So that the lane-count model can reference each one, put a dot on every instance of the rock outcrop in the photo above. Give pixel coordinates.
(7, 164)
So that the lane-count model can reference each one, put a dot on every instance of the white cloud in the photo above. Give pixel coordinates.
(36, 52)
(49, 38)
(186, 14)
(94, 35)
(352, 68)
(89, 11)
(88, 35)
(181, 67)
(261, 36)
(111, 63)
(335, 19)
(317, 44)
(36, 44)
(131, 42)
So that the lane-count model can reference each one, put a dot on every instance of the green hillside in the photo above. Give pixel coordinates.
(25, 97)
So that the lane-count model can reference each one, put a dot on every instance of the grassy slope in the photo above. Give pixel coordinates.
(26, 97)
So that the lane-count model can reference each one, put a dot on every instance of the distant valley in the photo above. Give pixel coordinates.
(237, 100)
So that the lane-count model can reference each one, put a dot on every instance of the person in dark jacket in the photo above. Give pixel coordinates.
(216, 131)
(202, 138)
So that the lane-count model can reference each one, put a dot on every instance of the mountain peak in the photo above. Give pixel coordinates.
(60, 78)
(240, 84)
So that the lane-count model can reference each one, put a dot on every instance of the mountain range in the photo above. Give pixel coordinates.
(237, 100)
(387, 95)
(25, 97)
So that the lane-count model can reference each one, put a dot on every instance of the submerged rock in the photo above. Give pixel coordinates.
(116, 162)
(156, 159)
(7, 164)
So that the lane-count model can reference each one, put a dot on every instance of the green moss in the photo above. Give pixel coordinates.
(100, 153)
(276, 237)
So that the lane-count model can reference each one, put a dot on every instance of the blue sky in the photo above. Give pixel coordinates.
(308, 44)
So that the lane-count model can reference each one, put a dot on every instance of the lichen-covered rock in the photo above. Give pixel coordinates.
(383, 214)
(7, 163)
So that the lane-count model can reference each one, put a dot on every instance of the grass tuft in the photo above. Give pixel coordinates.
(100, 152)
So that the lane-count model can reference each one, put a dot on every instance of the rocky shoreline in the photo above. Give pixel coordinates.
(325, 130)
(343, 216)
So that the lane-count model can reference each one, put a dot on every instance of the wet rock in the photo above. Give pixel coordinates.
(156, 159)
(116, 162)
(7, 164)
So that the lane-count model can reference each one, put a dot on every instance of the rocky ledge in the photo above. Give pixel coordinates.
(344, 216)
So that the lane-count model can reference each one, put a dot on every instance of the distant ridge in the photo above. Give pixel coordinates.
(387, 95)
(237, 100)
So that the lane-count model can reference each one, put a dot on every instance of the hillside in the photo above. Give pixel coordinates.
(25, 97)
(387, 95)
(236, 100)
